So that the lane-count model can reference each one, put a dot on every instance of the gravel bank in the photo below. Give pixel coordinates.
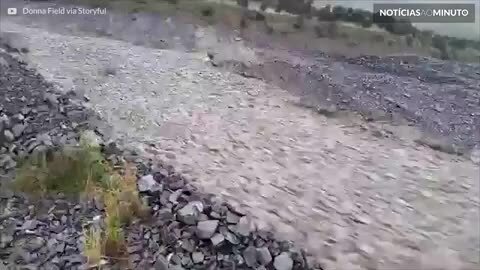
(441, 98)
(188, 230)
(36, 234)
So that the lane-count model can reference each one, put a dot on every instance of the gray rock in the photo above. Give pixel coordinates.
(60, 248)
(64, 219)
(475, 155)
(176, 259)
(187, 261)
(30, 225)
(215, 215)
(198, 257)
(232, 218)
(19, 117)
(18, 130)
(232, 238)
(7, 162)
(250, 256)
(263, 255)
(110, 70)
(190, 212)
(5, 240)
(206, 229)
(243, 227)
(35, 244)
(283, 262)
(50, 99)
(135, 258)
(4, 63)
(51, 243)
(362, 219)
(165, 214)
(8, 135)
(217, 239)
(135, 248)
(188, 245)
(148, 184)
(174, 196)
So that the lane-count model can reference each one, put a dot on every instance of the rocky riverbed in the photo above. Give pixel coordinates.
(188, 229)
(345, 189)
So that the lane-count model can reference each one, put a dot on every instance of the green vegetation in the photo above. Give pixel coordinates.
(82, 170)
(65, 170)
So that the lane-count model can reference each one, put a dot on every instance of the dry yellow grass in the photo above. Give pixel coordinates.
(122, 205)
(93, 245)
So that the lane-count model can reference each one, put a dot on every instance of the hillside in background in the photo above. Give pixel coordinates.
(459, 30)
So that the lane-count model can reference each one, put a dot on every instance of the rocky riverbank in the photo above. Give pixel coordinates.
(187, 229)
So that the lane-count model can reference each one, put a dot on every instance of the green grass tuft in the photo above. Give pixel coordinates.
(67, 170)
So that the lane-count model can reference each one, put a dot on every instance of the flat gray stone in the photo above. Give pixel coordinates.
(250, 256)
(189, 213)
(264, 256)
(8, 135)
(148, 184)
(206, 229)
(243, 227)
(232, 218)
(18, 130)
(217, 239)
(161, 263)
(283, 262)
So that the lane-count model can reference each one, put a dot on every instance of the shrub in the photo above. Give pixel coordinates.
(295, 7)
(457, 43)
(299, 22)
(403, 27)
(441, 43)
(356, 16)
(255, 15)
(242, 3)
(340, 12)
(367, 23)
(263, 6)
(325, 14)
(207, 11)
(378, 38)
(384, 22)
(425, 37)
